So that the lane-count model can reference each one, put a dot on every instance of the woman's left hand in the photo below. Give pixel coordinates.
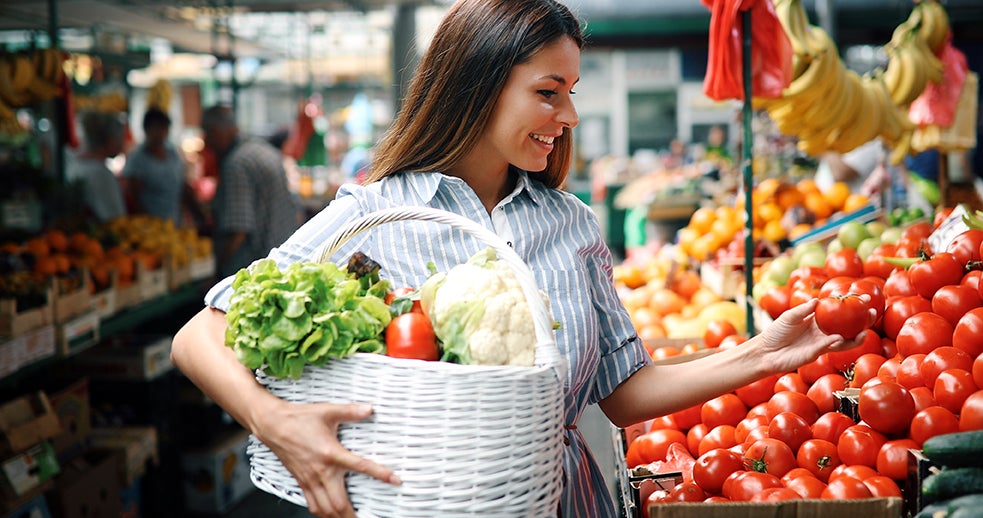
(794, 339)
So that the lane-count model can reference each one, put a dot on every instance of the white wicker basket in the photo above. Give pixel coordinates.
(465, 439)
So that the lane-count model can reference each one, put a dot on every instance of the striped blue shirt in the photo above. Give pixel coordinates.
(558, 237)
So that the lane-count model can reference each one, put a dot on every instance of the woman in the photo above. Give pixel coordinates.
(485, 132)
(104, 136)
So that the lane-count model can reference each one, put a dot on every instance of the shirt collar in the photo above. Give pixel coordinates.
(427, 188)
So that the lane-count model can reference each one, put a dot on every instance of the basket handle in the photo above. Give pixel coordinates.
(547, 352)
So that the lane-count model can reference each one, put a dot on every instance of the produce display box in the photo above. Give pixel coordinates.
(73, 407)
(148, 358)
(202, 268)
(127, 295)
(28, 471)
(104, 302)
(27, 348)
(919, 468)
(217, 477)
(866, 508)
(65, 306)
(177, 275)
(138, 446)
(726, 277)
(27, 421)
(15, 321)
(848, 402)
(152, 283)
(78, 334)
(88, 487)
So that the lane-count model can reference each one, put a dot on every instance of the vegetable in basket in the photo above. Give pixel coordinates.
(305, 314)
(480, 314)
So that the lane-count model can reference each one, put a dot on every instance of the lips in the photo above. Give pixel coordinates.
(545, 139)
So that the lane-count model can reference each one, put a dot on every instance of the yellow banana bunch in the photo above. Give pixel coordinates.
(159, 95)
(49, 65)
(13, 83)
(934, 27)
(912, 62)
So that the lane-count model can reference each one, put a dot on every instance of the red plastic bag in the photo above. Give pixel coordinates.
(771, 51)
(937, 102)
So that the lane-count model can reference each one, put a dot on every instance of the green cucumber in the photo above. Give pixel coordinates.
(952, 482)
(955, 450)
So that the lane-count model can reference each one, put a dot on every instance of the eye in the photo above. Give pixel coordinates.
(547, 93)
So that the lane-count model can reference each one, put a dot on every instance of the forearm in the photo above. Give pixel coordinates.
(657, 390)
(199, 351)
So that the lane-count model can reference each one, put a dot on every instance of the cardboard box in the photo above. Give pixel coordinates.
(152, 283)
(28, 470)
(130, 362)
(65, 306)
(177, 275)
(137, 446)
(26, 421)
(848, 402)
(104, 302)
(87, 487)
(73, 408)
(78, 334)
(37, 344)
(9, 358)
(16, 321)
(127, 295)
(202, 268)
(919, 468)
(217, 477)
(866, 508)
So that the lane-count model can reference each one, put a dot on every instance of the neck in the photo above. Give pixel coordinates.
(491, 184)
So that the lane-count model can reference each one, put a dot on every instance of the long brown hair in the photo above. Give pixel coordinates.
(452, 95)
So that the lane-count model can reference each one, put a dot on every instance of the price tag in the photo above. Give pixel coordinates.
(950, 228)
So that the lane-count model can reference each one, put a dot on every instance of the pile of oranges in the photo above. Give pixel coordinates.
(781, 210)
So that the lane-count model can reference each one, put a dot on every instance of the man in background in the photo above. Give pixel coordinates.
(253, 209)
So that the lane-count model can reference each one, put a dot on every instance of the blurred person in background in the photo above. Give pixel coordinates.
(103, 137)
(852, 167)
(155, 175)
(253, 209)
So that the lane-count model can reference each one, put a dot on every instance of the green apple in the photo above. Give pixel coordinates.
(852, 233)
(867, 246)
(891, 235)
(876, 227)
(834, 245)
(761, 287)
(804, 248)
(779, 269)
(813, 257)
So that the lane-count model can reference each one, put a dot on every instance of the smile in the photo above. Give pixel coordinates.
(542, 138)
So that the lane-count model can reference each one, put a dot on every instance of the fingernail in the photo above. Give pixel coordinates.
(395, 480)
(365, 409)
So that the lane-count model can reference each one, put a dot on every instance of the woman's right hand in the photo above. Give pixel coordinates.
(305, 439)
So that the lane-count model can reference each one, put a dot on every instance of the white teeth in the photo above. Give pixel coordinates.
(543, 138)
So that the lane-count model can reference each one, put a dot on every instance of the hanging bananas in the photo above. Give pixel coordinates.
(29, 78)
(159, 95)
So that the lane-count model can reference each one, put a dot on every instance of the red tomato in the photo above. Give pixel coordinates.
(952, 387)
(845, 488)
(889, 347)
(776, 494)
(859, 444)
(725, 409)
(932, 421)
(858, 472)
(846, 316)
(881, 486)
(795, 402)
(922, 229)
(718, 437)
(923, 397)
(411, 335)
(749, 483)
(968, 333)
(971, 414)
(830, 426)
(890, 367)
(844, 262)
(662, 422)
(899, 309)
(867, 367)
(749, 423)
(843, 360)
(886, 407)
(807, 487)
(815, 369)
(686, 492)
(876, 266)
(791, 429)
(714, 466)
(795, 473)
(873, 288)
(978, 370)
(940, 216)
(923, 332)
(731, 342)
(807, 271)
(769, 456)
(687, 418)
(943, 358)
(940, 270)
(836, 286)
(405, 292)
(910, 372)
(655, 444)
(694, 436)
(776, 300)
(792, 381)
(754, 435)
(818, 456)
(716, 331)
(716, 500)
(892, 458)
(757, 391)
(952, 302)
(821, 392)
(966, 246)
(898, 285)
(972, 279)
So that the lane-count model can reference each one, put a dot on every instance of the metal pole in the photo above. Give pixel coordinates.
(746, 162)
(59, 118)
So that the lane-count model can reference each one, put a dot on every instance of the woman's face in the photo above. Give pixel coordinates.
(535, 107)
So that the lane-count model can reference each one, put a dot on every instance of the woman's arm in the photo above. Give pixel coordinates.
(657, 390)
(303, 436)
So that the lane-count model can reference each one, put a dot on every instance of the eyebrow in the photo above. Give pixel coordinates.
(558, 78)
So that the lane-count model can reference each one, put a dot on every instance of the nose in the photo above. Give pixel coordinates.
(567, 114)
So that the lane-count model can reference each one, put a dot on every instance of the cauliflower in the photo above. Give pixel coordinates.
(480, 314)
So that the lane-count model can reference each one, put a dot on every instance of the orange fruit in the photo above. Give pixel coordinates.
(816, 203)
(807, 185)
(666, 302)
(854, 202)
(702, 219)
(57, 240)
(836, 195)
(799, 230)
(789, 197)
(774, 231)
(38, 247)
(45, 266)
(62, 263)
(645, 316)
(78, 241)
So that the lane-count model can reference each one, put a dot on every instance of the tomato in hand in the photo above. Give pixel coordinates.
(411, 335)
(714, 466)
(886, 407)
(846, 316)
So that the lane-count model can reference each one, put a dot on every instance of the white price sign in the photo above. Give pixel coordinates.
(948, 230)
